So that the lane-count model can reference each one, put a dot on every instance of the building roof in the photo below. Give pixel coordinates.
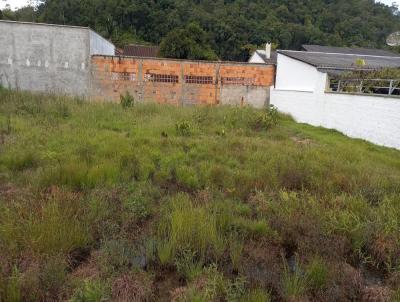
(141, 51)
(262, 55)
(350, 50)
(342, 61)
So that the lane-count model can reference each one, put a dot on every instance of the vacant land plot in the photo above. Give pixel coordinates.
(103, 202)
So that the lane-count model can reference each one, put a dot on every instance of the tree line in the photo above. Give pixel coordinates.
(222, 29)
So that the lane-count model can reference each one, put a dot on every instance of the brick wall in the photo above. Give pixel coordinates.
(181, 82)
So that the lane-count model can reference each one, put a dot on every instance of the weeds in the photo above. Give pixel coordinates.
(189, 228)
(127, 100)
(183, 128)
(294, 282)
(317, 274)
(91, 291)
(257, 295)
(12, 287)
(100, 192)
(188, 266)
(235, 251)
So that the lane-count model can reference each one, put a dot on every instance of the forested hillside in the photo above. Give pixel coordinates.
(228, 29)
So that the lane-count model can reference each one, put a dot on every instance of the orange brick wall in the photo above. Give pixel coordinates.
(177, 82)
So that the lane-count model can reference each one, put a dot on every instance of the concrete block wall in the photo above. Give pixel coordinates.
(48, 58)
(181, 82)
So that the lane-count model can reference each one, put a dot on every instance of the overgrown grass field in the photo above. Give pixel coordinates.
(103, 202)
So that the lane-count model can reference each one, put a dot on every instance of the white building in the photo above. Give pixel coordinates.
(264, 56)
(304, 91)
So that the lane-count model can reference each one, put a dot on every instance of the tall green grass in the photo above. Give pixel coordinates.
(99, 190)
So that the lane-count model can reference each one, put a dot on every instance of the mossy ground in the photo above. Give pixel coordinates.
(149, 202)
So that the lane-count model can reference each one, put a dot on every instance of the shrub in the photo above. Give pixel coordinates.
(183, 128)
(127, 100)
(265, 120)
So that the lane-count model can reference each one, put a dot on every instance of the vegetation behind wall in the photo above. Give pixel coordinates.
(226, 29)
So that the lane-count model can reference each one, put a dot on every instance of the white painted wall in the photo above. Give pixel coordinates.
(300, 92)
(100, 46)
(292, 74)
(373, 118)
(255, 58)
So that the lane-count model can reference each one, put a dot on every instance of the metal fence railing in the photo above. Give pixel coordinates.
(367, 86)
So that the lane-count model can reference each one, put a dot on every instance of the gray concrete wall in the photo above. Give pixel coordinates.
(48, 58)
(255, 96)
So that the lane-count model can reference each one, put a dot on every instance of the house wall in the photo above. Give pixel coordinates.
(180, 82)
(300, 92)
(255, 58)
(372, 118)
(292, 74)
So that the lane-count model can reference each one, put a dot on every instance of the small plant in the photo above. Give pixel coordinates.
(13, 287)
(395, 296)
(235, 251)
(91, 291)
(257, 295)
(294, 282)
(317, 274)
(216, 285)
(265, 120)
(138, 206)
(117, 256)
(183, 128)
(187, 265)
(165, 252)
(236, 289)
(127, 100)
(189, 227)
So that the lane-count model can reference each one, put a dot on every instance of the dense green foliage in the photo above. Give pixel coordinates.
(231, 27)
(109, 202)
